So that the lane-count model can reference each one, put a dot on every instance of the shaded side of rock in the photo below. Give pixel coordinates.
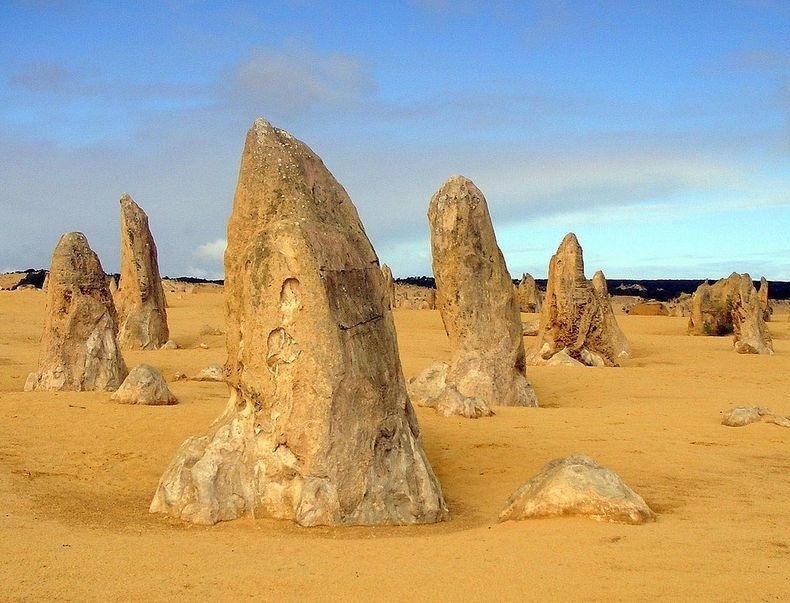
(140, 297)
(578, 486)
(144, 385)
(318, 428)
(79, 347)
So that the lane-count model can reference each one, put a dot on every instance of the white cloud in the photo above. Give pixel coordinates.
(214, 251)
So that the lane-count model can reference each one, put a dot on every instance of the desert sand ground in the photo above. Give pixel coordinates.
(77, 473)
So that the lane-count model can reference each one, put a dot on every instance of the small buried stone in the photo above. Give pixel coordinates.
(577, 485)
(738, 416)
(213, 372)
(144, 385)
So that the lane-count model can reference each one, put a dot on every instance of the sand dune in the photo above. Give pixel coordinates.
(77, 473)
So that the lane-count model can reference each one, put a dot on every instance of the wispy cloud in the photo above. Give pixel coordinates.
(215, 250)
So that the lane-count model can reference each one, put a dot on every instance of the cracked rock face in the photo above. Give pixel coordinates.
(731, 305)
(140, 298)
(319, 428)
(577, 318)
(477, 301)
(79, 348)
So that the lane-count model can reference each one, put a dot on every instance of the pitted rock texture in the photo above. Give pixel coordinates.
(577, 317)
(477, 302)
(140, 298)
(79, 347)
(318, 428)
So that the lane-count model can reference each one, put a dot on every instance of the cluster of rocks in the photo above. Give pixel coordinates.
(85, 328)
(414, 297)
(319, 426)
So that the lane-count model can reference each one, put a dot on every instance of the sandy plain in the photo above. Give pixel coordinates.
(77, 473)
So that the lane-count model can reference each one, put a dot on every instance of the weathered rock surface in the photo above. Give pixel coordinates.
(477, 301)
(389, 285)
(213, 372)
(140, 298)
(577, 315)
(79, 347)
(318, 428)
(144, 385)
(738, 416)
(731, 305)
(649, 308)
(529, 297)
(577, 485)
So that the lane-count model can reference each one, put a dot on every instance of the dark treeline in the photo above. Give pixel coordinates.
(657, 289)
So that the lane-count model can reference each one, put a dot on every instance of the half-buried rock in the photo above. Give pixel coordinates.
(577, 485)
(144, 385)
(479, 309)
(577, 318)
(319, 428)
(79, 347)
(142, 309)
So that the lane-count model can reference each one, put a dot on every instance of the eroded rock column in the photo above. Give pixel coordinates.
(318, 428)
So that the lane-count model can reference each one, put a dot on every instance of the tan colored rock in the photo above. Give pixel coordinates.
(477, 302)
(731, 305)
(213, 372)
(414, 297)
(577, 485)
(319, 428)
(140, 297)
(577, 315)
(389, 285)
(765, 304)
(529, 297)
(738, 416)
(144, 385)
(79, 347)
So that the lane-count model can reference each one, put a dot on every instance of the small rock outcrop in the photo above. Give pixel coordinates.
(79, 346)
(528, 294)
(319, 427)
(389, 285)
(577, 315)
(731, 305)
(738, 416)
(213, 372)
(140, 298)
(477, 302)
(144, 385)
(577, 485)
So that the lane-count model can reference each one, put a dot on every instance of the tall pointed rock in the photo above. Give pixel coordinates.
(477, 300)
(318, 428)
(577, 317)
(79, 349)
(140, 298)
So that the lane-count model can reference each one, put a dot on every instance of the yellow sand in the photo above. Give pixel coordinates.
(77, 473)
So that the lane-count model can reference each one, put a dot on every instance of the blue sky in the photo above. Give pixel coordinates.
(658, 132)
